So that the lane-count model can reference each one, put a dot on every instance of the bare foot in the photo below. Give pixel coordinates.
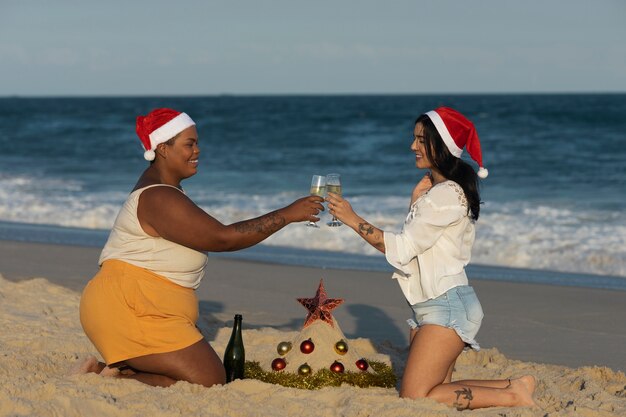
(107, 371)
(530, 383)
(86, 365)
(524, 387)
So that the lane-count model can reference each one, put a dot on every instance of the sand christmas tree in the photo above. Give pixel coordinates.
(321, 354)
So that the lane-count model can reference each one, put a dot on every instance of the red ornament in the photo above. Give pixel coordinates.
(362, 364)
(307, 346)
(337, 367)
(279, 364)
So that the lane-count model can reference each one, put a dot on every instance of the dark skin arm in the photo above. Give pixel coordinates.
(166, 212)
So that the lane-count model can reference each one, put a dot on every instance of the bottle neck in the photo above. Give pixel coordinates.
(236, 328)
(238, 320)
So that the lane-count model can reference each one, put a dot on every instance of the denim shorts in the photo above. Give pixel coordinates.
(457, 309)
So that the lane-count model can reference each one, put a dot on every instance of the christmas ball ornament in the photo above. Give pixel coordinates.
(304, 369)
(337, 367)
(362, 364)
(283, 348)
(307, 346)
(279, 364)
(341, 347)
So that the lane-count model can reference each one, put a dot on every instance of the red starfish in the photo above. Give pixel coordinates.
(320, 306)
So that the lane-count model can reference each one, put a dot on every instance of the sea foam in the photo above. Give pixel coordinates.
(534, 236)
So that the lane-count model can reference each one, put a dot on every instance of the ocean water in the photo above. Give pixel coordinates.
(555, 198)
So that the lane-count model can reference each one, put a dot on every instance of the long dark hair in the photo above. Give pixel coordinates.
(450, 166)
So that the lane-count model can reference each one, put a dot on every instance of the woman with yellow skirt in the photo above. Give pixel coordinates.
(140, 310)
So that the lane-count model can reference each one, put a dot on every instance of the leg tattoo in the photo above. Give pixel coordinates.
(461, 396)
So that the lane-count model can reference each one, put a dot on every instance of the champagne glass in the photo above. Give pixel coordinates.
(333, 185)
(318, 187)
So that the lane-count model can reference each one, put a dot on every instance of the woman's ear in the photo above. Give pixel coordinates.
(161, 149)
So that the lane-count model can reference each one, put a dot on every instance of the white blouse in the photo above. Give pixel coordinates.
(435, 244)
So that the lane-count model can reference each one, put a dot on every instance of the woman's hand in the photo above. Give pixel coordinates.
(422, 187)
(304, 209)
(341, 209)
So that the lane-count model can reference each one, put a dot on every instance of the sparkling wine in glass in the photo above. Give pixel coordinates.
(318, 187)
(333, 185)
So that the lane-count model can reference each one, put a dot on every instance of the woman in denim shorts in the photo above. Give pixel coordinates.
(430, 255)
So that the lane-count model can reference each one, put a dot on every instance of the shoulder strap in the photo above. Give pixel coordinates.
(157, 185)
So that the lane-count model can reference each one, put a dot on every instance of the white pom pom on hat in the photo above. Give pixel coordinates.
(457, 133)
(158, 126)
(149, 155)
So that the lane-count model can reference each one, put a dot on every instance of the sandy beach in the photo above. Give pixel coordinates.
(570, 338)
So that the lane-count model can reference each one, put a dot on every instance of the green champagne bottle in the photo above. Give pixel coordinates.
(235, 355)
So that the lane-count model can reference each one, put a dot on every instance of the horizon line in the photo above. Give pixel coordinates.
(341, 94)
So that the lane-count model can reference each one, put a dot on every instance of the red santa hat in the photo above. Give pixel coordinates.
(458, 132)
(158, 126)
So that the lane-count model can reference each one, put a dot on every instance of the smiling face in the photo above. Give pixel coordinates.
(419, 148)
(181, 156)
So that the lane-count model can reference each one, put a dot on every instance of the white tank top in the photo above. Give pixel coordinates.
(128, 242)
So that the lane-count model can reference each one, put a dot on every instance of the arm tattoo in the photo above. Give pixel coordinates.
(463, 394)
(366, 229)
(266, 225)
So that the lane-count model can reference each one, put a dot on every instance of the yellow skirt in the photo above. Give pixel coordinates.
(128, 311)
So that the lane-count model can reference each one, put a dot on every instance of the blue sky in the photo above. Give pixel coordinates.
(124, 47)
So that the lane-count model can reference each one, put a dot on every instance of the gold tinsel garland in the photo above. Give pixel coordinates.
(382, 376)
